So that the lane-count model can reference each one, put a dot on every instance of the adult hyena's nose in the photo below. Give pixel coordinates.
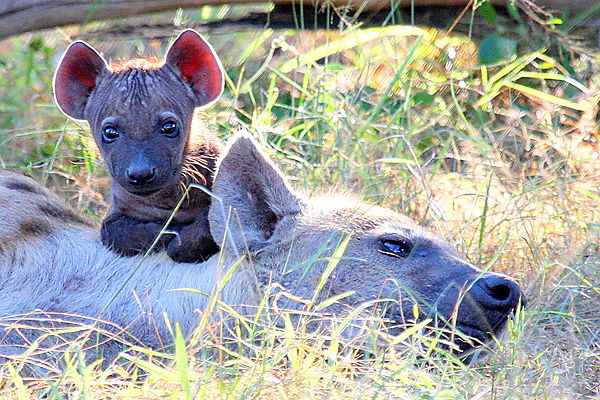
(140, 173)
(497, 292)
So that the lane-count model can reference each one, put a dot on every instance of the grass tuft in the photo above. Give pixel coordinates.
(501, 159)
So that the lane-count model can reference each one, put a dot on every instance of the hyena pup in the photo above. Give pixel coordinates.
(141, 113)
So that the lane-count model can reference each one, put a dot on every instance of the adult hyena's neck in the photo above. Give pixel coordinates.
(200, 156)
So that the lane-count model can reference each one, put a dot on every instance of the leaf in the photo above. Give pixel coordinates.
(351, 40)
(494, 49)
(413, 330)
(332, 300)
(394, 160)
(554, 21)
(182, 362)
(423, 98)
(155, 370)
(548, 97)
(488, 12)
(17, 381)
(513, 10)
(36, 43)
(333, 262)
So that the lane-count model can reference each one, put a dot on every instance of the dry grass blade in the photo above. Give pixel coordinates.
(504, 160)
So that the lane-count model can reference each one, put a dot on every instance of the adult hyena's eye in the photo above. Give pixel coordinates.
(397, 246)
(169, 128)
(109, 134)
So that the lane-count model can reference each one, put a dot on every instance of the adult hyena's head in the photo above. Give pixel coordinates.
(410, 273)
(358, 253)
(141, 111)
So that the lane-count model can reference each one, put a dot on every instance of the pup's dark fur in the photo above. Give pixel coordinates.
(141, 113)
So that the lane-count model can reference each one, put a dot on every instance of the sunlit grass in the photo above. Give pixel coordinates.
(503, 160)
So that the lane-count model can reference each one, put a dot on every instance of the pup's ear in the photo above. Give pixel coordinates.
(198, 65)
(255, 198)
(76, 77)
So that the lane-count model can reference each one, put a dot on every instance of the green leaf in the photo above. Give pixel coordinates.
(413, 330)
(513, 9)
(487, 11)
(182, 362)
(332, 300)
(333, 262)
(156, 371)
(494, 49)
(554, 21)
(36, 44)
(17, 381)
(422, 98)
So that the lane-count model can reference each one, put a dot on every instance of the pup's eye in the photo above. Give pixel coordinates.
(169, 128)
(109, 134)
(399, 247)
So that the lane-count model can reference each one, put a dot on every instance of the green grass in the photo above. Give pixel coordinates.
(502, 160)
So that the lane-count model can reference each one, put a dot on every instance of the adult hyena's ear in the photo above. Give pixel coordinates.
(254, 199)
(76, 77)
(199, 66)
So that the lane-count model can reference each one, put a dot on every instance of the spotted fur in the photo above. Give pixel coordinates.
(271, 234)
(35, 213)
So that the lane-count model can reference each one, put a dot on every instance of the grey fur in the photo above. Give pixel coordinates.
(287, 239)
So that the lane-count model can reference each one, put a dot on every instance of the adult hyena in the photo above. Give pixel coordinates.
(52, 261)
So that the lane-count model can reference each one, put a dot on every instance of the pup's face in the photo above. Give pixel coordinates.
(141, 121)
(140, 112)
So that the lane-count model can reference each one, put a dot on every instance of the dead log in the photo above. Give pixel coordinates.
(19, 16)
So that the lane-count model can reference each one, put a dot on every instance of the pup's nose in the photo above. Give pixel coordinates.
(140, 174)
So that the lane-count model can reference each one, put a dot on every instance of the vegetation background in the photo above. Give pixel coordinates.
(489, 136)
